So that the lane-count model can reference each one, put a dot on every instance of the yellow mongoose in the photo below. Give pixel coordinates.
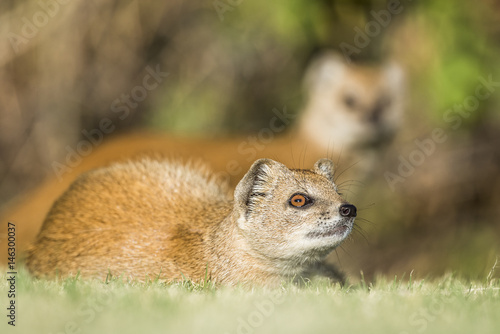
(350, 109)
(166, 219)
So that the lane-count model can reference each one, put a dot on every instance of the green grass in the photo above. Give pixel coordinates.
(445, 305)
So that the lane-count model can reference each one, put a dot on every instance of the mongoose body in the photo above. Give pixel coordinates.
(153, 218)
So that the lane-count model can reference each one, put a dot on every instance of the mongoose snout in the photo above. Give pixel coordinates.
(332, 226)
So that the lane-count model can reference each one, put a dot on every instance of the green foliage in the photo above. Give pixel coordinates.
(462, 52)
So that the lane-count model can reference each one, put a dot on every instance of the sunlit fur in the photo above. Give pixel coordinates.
(170, 220)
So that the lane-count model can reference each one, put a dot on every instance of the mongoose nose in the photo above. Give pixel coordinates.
(375, 114)
(347, 210)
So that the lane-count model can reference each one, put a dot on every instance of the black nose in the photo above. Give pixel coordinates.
(347, 210)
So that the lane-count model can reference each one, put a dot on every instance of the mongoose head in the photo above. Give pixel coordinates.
(352, 105)
(292, 216)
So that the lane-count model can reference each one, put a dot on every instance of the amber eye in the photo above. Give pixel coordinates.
(299, 200)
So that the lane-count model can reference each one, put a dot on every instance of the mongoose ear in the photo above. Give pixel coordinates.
(257, 183)
(324, 70)
(326, 168)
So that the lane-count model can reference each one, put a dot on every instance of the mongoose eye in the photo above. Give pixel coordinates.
(350, 101)
(299, 200)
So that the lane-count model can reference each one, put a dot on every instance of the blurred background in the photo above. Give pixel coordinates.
(66, 65)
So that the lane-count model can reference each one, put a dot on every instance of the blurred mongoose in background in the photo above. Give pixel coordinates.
(154, 218)
(350, 108)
